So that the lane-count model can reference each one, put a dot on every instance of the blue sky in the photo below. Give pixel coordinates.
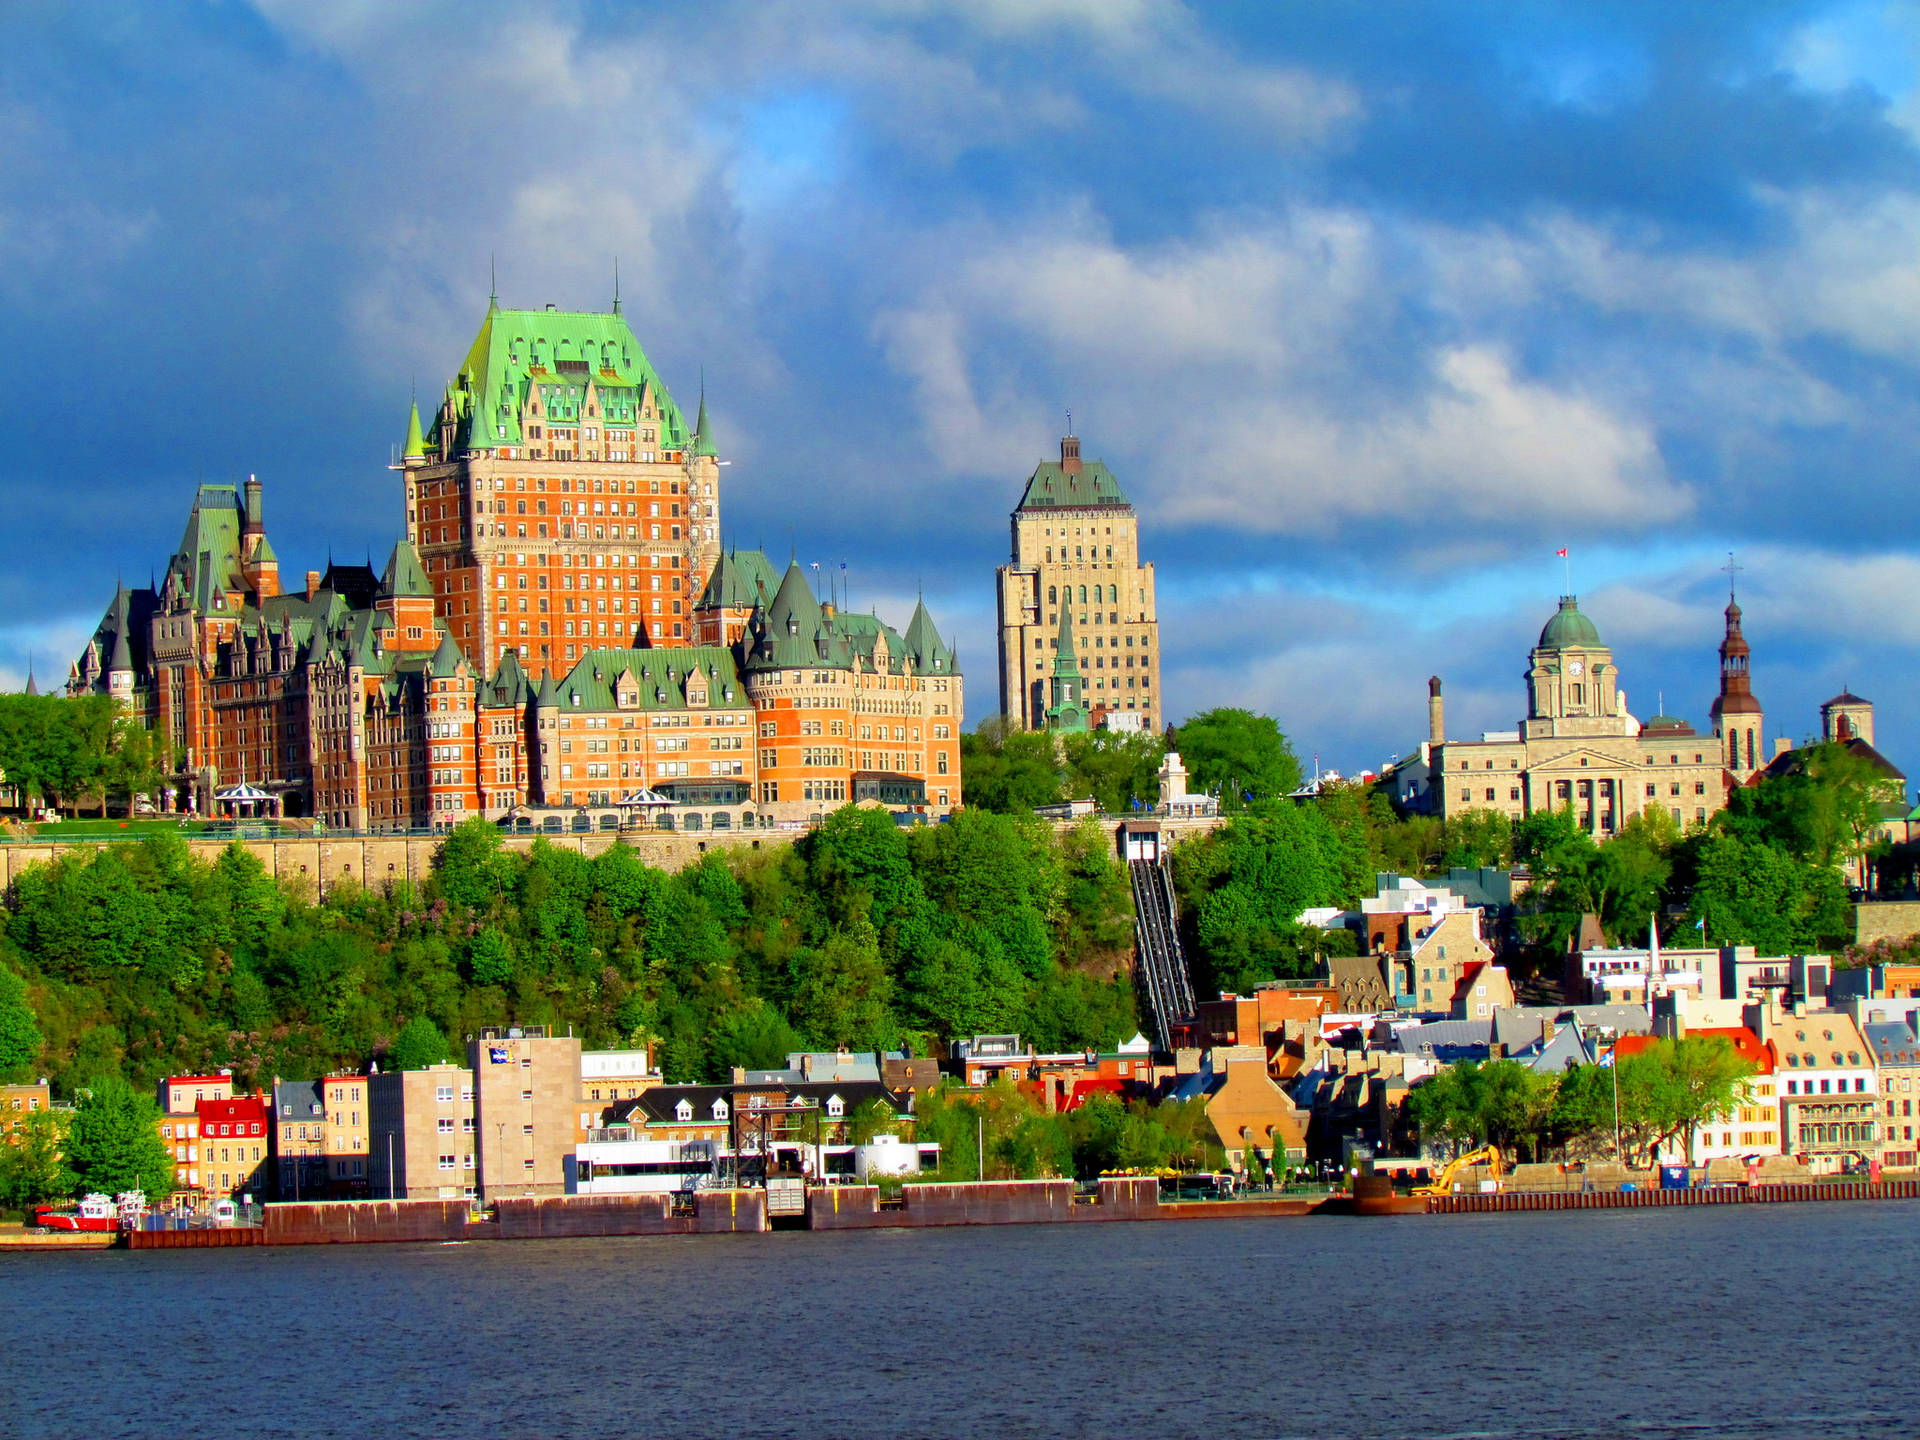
(1371, 307)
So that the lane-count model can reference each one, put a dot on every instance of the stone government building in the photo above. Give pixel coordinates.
(1579, 746)
(559, 630)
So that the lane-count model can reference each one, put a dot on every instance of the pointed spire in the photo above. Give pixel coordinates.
(33, 687)
(702, 443)
(616, 284)
(416, 441)
(493, 286)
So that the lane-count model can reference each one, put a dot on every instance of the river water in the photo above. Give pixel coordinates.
(1745, 1321)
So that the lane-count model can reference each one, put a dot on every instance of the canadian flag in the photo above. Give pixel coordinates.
(1561, 553)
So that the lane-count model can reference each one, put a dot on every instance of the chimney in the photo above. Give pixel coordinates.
(256, 523)
(1070, 454)
(313, 583)
(806, 1067)
(739, 1073)
(1436, 712)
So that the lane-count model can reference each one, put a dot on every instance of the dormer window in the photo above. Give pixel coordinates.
(683, 1111)
(835, 1106)
(720, 1109)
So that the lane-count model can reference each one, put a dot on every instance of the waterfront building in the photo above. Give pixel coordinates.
(1076, 571)
(1432, 968)
(526, 1089)
(1830, 1085)
(1896, 1054)
(235, 1145)
(606, 1077)
(421, 1133)
(1751, 1130)
(179, 1098)
(299, 1134)
(348, 1133)
(1247, 1110)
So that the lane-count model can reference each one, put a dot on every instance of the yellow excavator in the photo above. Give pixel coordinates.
(1442, 1184)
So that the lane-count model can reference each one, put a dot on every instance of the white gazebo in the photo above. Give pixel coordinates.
(251, 796)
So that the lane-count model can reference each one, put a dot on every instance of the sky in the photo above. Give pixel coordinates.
(1371, 308)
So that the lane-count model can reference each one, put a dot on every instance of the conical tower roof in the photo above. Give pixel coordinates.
(446, 658)
(416, 441)
(702, 442)
(121, 657)
(406, 578)
(930, 654)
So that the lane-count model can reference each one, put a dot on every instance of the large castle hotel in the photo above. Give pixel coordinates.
(559, 638)
(1580, 748)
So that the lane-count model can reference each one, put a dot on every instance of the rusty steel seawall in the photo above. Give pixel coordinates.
(361, 1222)
(209, 1239)
(992, 1202)
(1515, 1201)
(716, 1212)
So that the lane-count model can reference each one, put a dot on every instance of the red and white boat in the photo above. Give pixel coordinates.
(94, 1212)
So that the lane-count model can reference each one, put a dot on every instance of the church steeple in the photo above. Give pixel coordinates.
(1738, 717)
(1067, 691)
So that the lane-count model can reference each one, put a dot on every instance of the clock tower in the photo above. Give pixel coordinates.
(1573, 688)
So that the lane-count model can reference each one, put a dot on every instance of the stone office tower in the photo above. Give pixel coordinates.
(560, 502)
(1076, 552)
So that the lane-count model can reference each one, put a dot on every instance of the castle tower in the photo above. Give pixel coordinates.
(561, 502)
(1076, 552)
(257, 561)
(1738, 717)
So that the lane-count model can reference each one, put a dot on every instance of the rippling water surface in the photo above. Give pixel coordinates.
(1747, 1321)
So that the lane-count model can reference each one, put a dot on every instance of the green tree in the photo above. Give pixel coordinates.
(114, 1142)
(20, 1037)
(490, 961)
(1472, 839)
(471, 868)
(418, 1045)
(33, 1162)
(1671, 1087)
(1008, 770)
(1242, 755)
(1114, 769)
(842, 995)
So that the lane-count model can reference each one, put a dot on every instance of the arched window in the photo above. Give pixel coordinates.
(1083, 594)
(1052, 593)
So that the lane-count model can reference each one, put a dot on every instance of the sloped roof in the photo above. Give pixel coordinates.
(559, 352)
(660, 678)
(741, 579)
(405, 576)
(1053, 486)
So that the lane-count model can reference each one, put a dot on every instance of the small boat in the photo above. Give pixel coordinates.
(94, 1213)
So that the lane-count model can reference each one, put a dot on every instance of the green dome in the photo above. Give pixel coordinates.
(1568, 627)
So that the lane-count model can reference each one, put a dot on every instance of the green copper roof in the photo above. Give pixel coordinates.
(702, 443)
(930, 656)
(792, 633)
(416, 443)
(1568, 627)
(122, 656)
(406, 578)
(1069, 709)
(508, 689)
(660, 679)
(1052, 486)
(1065, 662)
(208, 561)
(561, 355)
(447, 657)
(741, 579)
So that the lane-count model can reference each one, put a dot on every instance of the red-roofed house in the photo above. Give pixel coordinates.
(233, 1146)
